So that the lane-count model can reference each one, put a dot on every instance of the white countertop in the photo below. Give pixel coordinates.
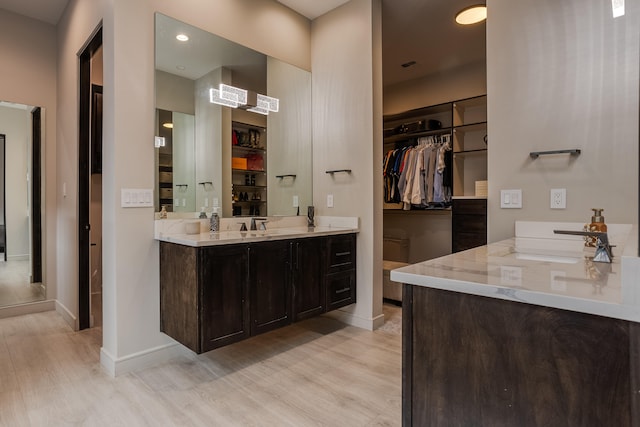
(546, 270)
(278, 228)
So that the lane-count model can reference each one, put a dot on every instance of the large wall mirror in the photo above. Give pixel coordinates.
(20, 204)
(243, 158)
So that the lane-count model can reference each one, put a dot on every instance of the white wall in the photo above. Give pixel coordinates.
(347, 134)
(562, 75)
(175, 93)
(30, 78)
(130, 254)
(15, 124)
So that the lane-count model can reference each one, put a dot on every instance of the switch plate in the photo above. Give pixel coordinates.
(136, 198)
(511, 199)
(329, 200)
(295, 202)
(558, 198)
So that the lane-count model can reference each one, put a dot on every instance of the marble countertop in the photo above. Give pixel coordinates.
(278, 228)
(545, 270)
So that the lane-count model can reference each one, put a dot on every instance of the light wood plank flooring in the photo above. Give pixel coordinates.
(314, 373)
(14, 284)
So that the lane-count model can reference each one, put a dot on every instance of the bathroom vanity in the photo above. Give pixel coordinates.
(217, 289)
(528, 332)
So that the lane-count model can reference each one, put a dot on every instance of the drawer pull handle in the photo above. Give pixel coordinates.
(339, 291)
(343, 253)
(341, 264)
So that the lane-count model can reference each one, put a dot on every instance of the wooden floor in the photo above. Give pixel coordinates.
(14, 284)
(314, 373)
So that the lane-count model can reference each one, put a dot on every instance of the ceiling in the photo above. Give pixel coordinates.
(423, 31)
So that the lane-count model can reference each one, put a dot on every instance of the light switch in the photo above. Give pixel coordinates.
(511, 199)
(136, 198)
(295, 202)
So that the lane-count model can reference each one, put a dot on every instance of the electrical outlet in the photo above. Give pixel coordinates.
(329, 200)
(558, 198)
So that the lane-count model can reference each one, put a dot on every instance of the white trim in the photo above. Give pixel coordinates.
(28, 308)
(67, 315)
(359, 322)
(143, 359)
(17, 257)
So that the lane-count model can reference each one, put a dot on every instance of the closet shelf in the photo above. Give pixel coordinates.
(463, 152)
(471, 127)
(414, 135)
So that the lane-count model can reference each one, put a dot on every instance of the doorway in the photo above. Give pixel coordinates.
(21, 273)
(90, 183)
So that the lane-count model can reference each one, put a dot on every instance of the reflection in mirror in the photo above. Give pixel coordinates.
(243, 162)
(20, 219)
(176, 164)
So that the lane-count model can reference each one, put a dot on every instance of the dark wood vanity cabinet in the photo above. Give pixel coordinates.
(341, 271)
(204, 295)
(309, 271)
(269, 277)
(468, 224)
(217, 295)
(223, 295)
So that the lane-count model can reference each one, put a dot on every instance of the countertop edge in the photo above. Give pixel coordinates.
(612, 310)
(209, 239)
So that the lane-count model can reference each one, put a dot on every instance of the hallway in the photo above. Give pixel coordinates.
(316, 372)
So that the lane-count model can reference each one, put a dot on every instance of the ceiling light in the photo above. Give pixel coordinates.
(182, 37)
(168, 125)
(180, 67)
(472, 15)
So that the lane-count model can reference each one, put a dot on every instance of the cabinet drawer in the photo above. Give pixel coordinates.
(341, 289)
(469, 206)
(469, 224)
(341, 253)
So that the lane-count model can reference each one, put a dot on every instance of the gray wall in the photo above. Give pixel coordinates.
(562, 75)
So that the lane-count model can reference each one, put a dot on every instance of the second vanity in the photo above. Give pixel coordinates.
(529, 331)
(220, 288)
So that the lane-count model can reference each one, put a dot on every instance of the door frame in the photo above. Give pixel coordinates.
(36, 195)
(84, 179)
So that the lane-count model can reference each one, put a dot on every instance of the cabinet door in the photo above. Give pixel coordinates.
(309, 288)
(224, 295)
(269, 276)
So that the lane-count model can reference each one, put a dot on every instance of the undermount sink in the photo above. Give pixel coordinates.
(547, 258)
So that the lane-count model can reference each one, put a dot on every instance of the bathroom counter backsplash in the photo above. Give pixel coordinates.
(278, 228)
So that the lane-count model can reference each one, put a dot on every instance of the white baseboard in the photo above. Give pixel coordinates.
(357, 321)
(144, 359)
(67, 315)
(27, 308)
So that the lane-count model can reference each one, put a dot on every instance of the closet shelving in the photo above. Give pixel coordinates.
(465, 121)
(249, 175)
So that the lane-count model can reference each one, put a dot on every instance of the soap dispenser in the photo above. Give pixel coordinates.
(203, 214)
(597, 224)
(214, 223)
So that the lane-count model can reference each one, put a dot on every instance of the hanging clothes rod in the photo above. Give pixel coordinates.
(536, 154)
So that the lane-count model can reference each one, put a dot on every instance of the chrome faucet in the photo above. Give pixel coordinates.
(603, 248)
(263, 224)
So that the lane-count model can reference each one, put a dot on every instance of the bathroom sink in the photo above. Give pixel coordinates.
(564, 259)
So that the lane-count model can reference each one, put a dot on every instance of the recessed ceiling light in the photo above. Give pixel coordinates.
(180, 67)
(472, 15)
(168, 125)
(182, 37)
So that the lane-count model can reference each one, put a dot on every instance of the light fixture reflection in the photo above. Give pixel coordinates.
(167, 125)
(159, 141)
(472, 15)
(235, 97)
(182, 37)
